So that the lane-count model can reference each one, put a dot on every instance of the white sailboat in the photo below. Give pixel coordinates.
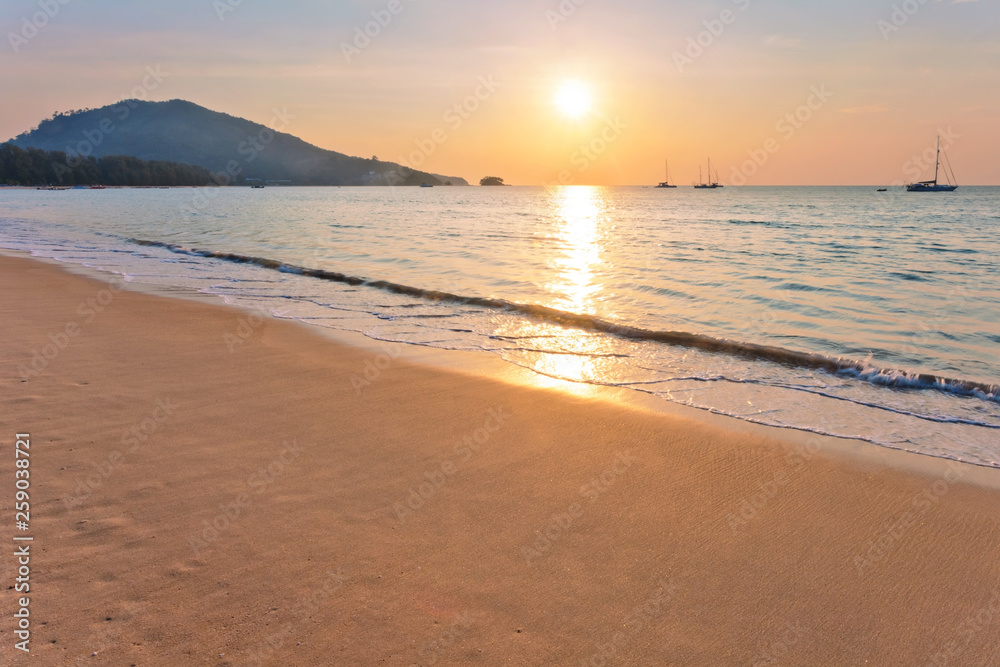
(666, 183)
(934, 186)
(712, 184)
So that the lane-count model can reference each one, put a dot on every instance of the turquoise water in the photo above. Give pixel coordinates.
(838, 310)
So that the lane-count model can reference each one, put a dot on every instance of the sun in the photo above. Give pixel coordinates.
(573, 98)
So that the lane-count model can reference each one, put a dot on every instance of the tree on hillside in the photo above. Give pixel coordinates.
(491, 180)
(33, 166)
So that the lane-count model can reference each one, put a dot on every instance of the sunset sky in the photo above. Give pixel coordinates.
(881, 82)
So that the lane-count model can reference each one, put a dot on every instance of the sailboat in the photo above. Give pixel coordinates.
(712, 184)
(666, 183)
(934, 186)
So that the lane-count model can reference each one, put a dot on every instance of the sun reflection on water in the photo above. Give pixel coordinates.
(579, 216)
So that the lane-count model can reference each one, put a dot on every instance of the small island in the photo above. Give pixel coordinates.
(492, 180)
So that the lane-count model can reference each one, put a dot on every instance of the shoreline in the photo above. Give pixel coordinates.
(247, 500)
(899, 186)
(484, 364)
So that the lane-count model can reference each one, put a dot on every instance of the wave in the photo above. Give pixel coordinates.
(756, 418)
(859, 369)
(909, 276)
(937, 247)
(799, 287)
(766, 223)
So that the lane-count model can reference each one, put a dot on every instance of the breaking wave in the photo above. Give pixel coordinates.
(858, 369)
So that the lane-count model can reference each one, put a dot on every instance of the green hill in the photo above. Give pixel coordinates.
(233, 148)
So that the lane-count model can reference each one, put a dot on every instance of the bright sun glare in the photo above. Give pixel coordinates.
(573, 99)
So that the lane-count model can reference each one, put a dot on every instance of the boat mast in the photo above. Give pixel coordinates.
(937, 160)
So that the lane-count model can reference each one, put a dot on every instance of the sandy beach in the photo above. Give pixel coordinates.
(214, 487)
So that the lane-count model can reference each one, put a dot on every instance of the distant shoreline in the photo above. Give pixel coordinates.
(892, 188)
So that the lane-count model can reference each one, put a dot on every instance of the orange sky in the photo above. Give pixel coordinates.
(887, 81)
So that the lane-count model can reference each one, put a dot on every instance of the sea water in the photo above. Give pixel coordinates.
(839, 310)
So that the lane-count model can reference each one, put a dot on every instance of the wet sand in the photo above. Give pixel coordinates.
(211, 487)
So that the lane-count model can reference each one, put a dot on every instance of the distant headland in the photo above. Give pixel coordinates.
(236, 151)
